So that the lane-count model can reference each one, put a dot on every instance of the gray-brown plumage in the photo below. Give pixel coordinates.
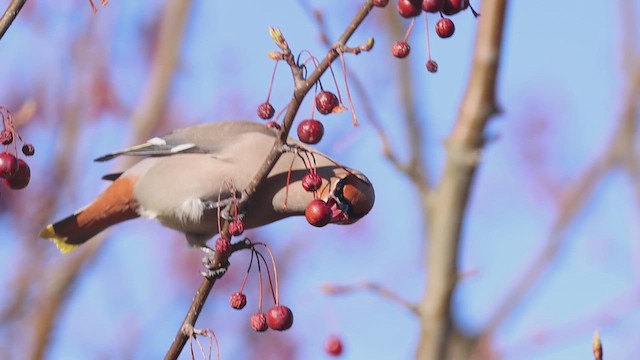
(189, 173)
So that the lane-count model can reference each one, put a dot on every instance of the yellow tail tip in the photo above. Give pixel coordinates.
(50, 234)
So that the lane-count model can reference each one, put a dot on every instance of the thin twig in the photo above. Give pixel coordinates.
(376, 288)
(9, 15)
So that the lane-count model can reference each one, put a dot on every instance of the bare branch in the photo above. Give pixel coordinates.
(451, 195)
(9, 15)
(380, 290)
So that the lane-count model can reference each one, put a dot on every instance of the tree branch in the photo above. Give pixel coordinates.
(447, 207)
(9, 15)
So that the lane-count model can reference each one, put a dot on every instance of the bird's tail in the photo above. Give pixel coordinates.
(113, 206)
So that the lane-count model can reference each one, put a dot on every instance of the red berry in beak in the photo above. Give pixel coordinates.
(318, 213)
(311, 182)
(400, 49)
(445, 28)
(259, 322)
(279, 318)
(310, 131)
(8, 165)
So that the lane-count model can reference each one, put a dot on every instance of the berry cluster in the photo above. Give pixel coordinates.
(444, 27)
(278, 317)
(15, 172)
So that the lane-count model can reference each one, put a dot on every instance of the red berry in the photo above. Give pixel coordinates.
(238, 300)
(432, 6)
(318, 213)
(445, 28)
(8, 165)
(326, 101)
(452, 7)
(310, 131)
(236, 227)
(311, 182)
(409, 8)
(432, 66)
(266, 111)
(272, 125)
(380, 3)
(333, 345)
(28, 149)
(20, 178)
(400, 49)
(223, 245)
(6, 137)
(259, 322)
(279, 318)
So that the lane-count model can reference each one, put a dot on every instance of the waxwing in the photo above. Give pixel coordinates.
(187, 175)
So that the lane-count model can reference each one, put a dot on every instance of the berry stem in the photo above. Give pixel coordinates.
(333, 76)
(275, 272)
(406, 34)
(426, 21)
(254, 252)
(266, 265)
(346, 85)
(273, 77)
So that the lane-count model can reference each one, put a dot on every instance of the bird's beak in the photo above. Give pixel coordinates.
(351, 199)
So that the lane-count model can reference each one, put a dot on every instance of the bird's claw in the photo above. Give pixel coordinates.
(215, 268)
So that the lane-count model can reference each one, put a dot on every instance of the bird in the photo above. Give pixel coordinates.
(186, 177)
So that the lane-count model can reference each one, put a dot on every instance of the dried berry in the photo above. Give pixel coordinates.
(409, 8)
(28, 149)
(311, 182)
(238, 300)
(333, 345)
(432, 66)
(318, 213)
(236, 227)
(445, 28)
(272, 125)
(266, 111)
(223, 245)
(259, 322)
(279, 318)
(20, 178)
(8, 165)
(310, 131)
(380, 3)
(326, 101)
(400, 49)
(6, 137)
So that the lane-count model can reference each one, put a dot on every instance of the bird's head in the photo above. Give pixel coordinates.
(351, 197)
